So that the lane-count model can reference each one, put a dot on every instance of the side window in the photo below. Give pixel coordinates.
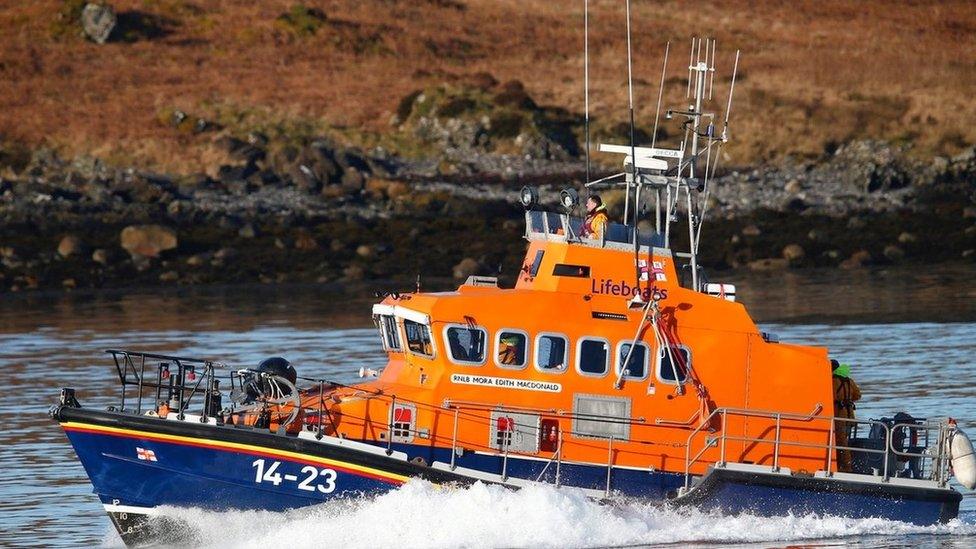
(466, 344)
(593, 356)
(536, 263)
(678, 361)
(418, 338)
(511, 349)
(551, 352)
(388, 331)
(636, 367)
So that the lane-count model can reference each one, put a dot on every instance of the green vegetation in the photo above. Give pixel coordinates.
(302, 21)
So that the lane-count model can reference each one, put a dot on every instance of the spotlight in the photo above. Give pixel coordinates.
(529, 197)
(569, 198)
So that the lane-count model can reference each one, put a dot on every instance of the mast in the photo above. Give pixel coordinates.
(676, 174)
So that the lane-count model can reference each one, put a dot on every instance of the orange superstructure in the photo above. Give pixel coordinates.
(471, 369)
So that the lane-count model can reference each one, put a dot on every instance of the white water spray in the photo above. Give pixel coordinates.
(423, 515)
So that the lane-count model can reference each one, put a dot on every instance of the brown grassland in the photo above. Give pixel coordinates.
(813, 73)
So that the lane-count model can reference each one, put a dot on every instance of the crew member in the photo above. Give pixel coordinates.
(595, 224)
(509, 351)
(846, 393)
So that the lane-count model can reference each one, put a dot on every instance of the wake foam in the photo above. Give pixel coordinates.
(420, 514)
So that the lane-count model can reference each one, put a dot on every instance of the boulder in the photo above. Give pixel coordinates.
(894, 253)
(198, 260)
(100, 256)
(247, 231)
(397, 189)
(147, 240)
(906, 238)
(466, 268)
(305, 241)
(793, 253)
(70, 245)
(768, 264)
(98, 21)
(858, 259)
(751, 230)
(353, 272)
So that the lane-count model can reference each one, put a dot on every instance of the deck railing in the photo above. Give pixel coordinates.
(933, 461)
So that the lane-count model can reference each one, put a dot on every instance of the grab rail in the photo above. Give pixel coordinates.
(937, 472)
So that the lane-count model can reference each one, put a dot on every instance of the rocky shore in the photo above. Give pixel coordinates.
(319, 212)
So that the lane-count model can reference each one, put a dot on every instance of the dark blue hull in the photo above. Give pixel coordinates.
(773, 494)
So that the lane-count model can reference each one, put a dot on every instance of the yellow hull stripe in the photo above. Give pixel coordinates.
(243, 448)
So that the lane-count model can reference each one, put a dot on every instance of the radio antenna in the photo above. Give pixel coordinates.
(711, 72)
(633, 149)
(660, 93)
(657, 118)
(586, 81)
(728, 107)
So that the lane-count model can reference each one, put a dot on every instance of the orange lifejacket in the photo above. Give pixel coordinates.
(595, 223)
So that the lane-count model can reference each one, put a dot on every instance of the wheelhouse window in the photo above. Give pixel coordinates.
(466, 344)
(388, 332)
(511, 349)
(673, 366)
(593, 356)
(418, 338)
(636, 365)
(551, 352)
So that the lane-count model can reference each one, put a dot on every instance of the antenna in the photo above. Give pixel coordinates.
(728, 108)
(691, 63)
(630, 93)
(711, 71)
(657, 117)
(633, 160)
(586, 81)
(660, 93)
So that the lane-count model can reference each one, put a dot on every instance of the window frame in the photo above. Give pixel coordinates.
(498, 341)
(406, 340)
(384, 335)
(579, 356)
(618, 360)
(450, 352)
(535, 356)
(660, 356)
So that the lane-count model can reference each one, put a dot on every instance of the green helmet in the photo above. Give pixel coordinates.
(844, 370)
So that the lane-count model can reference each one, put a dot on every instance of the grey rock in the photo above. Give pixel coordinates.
(793, 253)
(100, 256)
(894, 253)
(98, 21)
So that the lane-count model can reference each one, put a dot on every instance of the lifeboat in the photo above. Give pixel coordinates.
(612, 366)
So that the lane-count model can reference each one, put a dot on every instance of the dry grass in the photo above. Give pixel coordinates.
(827, 71)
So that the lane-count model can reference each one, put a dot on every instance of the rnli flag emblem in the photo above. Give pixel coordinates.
(656, 268)
(145, 455)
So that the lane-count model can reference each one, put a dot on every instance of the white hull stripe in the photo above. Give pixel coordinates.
(113, 508)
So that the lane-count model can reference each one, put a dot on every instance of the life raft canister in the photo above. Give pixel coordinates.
(963, 458)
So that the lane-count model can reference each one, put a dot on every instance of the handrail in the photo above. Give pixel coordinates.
(937, 472)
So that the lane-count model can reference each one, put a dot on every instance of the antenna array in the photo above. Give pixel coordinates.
(683, 175)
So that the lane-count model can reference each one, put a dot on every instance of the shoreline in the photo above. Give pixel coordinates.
(350, 216)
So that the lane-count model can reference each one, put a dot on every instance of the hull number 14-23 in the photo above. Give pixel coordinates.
(312, 479)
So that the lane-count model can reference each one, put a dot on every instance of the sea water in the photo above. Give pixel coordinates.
(909, 357)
